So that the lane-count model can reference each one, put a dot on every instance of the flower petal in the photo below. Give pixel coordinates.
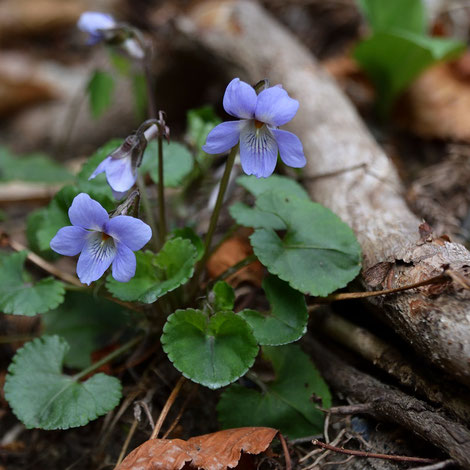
(258, 151)
(93, 21)
(97, 255)
(87, 213)
(120, 174)
(131, 231)
(275, 107)
(223, 137)
(124, 264)
(100, 168)
(69, 240)
(290, 148)
(240, 99)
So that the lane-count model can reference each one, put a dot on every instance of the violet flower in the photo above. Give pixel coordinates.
(100, 240)
(95, 24)
(260, 140)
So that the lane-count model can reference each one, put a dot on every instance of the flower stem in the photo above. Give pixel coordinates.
(148, 210)
(161, 193)
(107, 358)
(215, 214)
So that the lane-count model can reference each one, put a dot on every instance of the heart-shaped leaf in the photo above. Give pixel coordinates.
(286, 322)
(224, 296)
(19, 295)
(41, 396)
(213, 351)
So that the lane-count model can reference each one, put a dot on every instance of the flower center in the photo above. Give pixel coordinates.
(258, 124)
(105, 236)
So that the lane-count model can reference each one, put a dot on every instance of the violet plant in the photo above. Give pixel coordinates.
(160, 276)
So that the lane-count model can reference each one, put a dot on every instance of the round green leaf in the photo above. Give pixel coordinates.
(157, 274)
(19, 295)
(286, 322)
(41, 396)
(211, 351)
(223, 296)
(318, 253)
(283, 184)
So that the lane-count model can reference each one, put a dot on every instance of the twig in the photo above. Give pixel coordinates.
(303, 440)
(127, 442)
(180, 413)
(350, 409)
(286, 452)
(371, 455)
(167, 406)
(438, 466)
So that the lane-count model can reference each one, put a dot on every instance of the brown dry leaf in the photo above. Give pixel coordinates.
(216, 451)
(228, 254)
(437, 105)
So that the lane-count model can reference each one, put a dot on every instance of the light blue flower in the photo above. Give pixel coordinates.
(95, 24)
(260, 140)
(100, 240)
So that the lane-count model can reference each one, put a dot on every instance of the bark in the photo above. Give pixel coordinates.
(349, 173)
(390, 404)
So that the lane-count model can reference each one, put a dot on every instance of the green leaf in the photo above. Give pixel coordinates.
(282, 184)
(189, 234)
(386, 15)
(224, 296)
(87, 323)
(255, 217)
(200, 122)
(286, 404)
(286, 322)
(120, 62)
(394, 59)
(211, 351)
(33, 168)
(318, 253)
(41, 396)
(139, 89)
(177, 163)
(157, 274)
(19, 295)
(100, 92)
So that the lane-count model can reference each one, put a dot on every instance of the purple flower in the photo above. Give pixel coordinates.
(260, 140)
(95, 24)
(101, 241)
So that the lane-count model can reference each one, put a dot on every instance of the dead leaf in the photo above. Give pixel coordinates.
(231, 252)
(216, 451)
(437, 104)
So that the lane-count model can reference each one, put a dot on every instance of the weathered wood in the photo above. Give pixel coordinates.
(348, 172)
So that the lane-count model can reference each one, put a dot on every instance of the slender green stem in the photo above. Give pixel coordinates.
(148, 210)
(161, 192)
(233, 269)
(107, 358)
(16, 338)
(227, 235)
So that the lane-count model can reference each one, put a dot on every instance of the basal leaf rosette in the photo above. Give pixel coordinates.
(213, 351)
(41, 396)
(19, 295)
(316, 252)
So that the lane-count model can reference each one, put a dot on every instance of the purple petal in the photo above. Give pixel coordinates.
(93, 21)
(275, 107)
(120, 174)
(87, 213)
(223, 137)
(100, 168)
(124, 264)
(69, 240)
(240, 99)
(258, 151)
(97, 255)
(290, 148)
(118, 195)
(128, 230)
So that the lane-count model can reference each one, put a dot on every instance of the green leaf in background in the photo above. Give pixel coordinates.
(317, 255)
(386, 15)
(41, 396)
(394, 59)
(189, 234)
(255, 217)
(177, 163)
(224, 296)
(120, 62)
(200, 122)
(286, 403)
(100, 92)
(32, 168)
(19, 295)
(211, 351)
(282, 184)
(157, 274)
(139, 89)
(87, 323)
(286, 322)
